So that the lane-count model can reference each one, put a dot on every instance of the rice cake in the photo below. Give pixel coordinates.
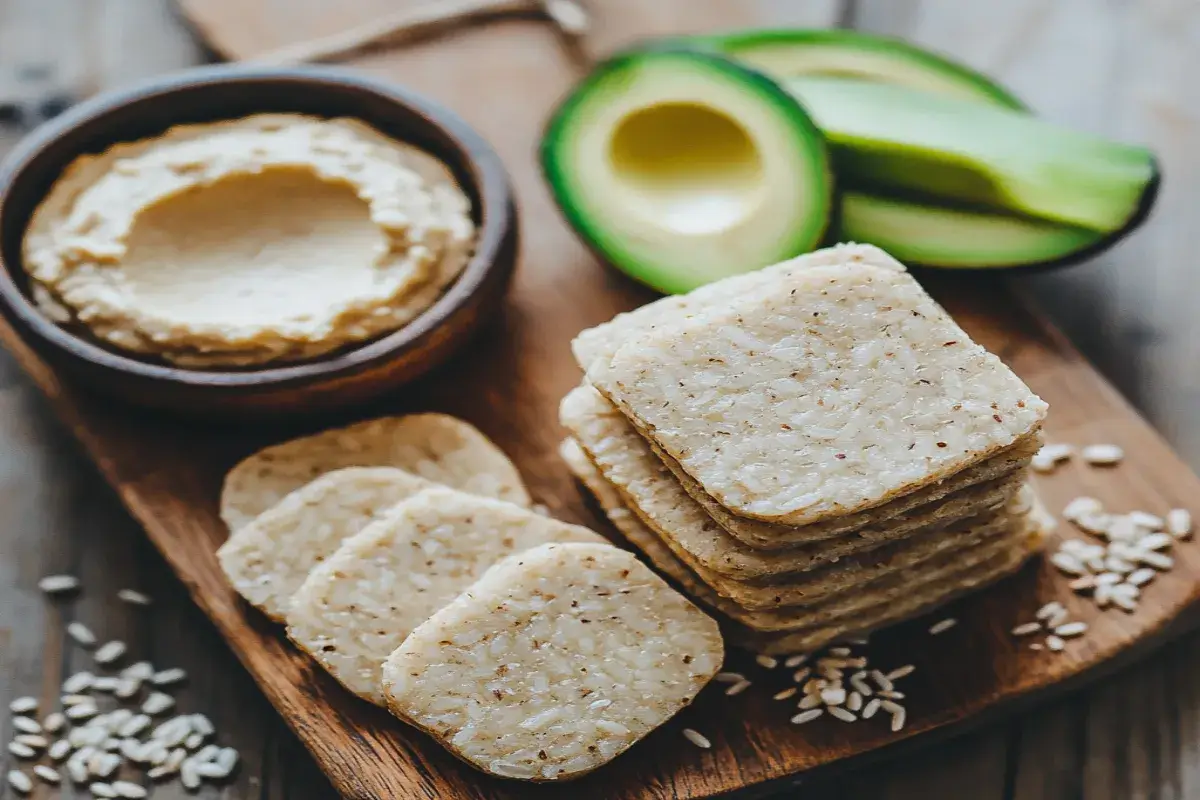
(845, 388)
(357, 607)
(268, 559)
(912, 605)
(554, 663)
(865, 598)
(602, 341)
(656, 488)
(437, 447)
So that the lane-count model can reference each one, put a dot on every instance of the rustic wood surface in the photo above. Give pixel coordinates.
(1116, 67)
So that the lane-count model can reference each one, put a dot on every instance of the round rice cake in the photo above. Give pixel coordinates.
(554, 663)
(436, 447)
(267, 560)
(359, 605)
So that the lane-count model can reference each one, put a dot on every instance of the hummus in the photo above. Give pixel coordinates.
(271, 238)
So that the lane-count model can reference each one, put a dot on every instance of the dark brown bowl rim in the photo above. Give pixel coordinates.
(487, 172)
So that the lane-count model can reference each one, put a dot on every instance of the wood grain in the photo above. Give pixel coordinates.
(524, 372)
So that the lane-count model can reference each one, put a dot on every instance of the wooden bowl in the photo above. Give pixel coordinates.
(228, 92)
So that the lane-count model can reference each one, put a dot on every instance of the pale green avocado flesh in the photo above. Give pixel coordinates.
(924, 235)
(681, 168)
(791, 53)
(894, 139)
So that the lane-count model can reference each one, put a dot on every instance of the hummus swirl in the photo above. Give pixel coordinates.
(270, 238)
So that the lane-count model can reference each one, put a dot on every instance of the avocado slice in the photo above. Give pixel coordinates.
(890, 138)
(791, 53)
(933, 236)
(681, 167)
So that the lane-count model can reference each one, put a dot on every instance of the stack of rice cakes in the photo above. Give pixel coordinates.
(814, 450)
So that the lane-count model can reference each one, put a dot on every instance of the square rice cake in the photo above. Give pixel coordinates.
(602, 341)
(916, 604)
(854, 571)
(360, 603)
(837, 608)
(436, 447)
(268, 559)
(554, 663)
(847, 387)
(995, 560)
(676, 505)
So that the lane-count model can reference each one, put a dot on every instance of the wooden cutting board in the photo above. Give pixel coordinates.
(504, 78)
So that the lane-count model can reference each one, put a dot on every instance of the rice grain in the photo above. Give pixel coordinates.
(807, 716)
(19, 781)
(134, 597)
(696, 738)
(58, 584)
(81, 633)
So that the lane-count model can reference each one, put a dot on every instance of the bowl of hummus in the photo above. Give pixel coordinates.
(241, 241)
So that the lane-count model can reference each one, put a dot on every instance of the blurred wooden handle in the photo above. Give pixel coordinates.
(567, 15)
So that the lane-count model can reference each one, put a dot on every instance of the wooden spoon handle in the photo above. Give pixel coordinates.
(567, 15)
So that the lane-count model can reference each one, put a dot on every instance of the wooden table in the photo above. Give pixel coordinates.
(1123, 68)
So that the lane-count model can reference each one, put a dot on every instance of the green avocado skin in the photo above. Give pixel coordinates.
(591, 217)
(835, 52)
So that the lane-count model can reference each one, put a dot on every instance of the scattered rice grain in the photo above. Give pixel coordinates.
(785, 694)
(58, 584)
(943, 626)
(1179, 523)
(737, 688)
(1141, 576)
(854, 701)
(1102, 455)
(1026, 628)
(23, 705)
(767, 662)
(82, 711)
(33, 740)
(139, 671)
(102, 790)
(1071, 629)
(693, 736)
(19, 781)
(79, 682)
(840, 713)
(48, 774)
(157, 703)
(168, 676)
(106, 683)
(807, 716)
(54, 721)
(839, 651)
(801, 675)
(1055, 643)
(810, 701)
(1068, 563)
(134, 597)
(110, 652)
(729, 677)
(833, 696)
(81, 633)
(900, 672)
(26, 725)
(795, 661)
(21, 750)
(128, 789)
(59, 750)
(871, 707)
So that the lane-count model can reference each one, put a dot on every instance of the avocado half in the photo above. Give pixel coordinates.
(796, 52)
(919, 232)
(893, 139)
(681, 167)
